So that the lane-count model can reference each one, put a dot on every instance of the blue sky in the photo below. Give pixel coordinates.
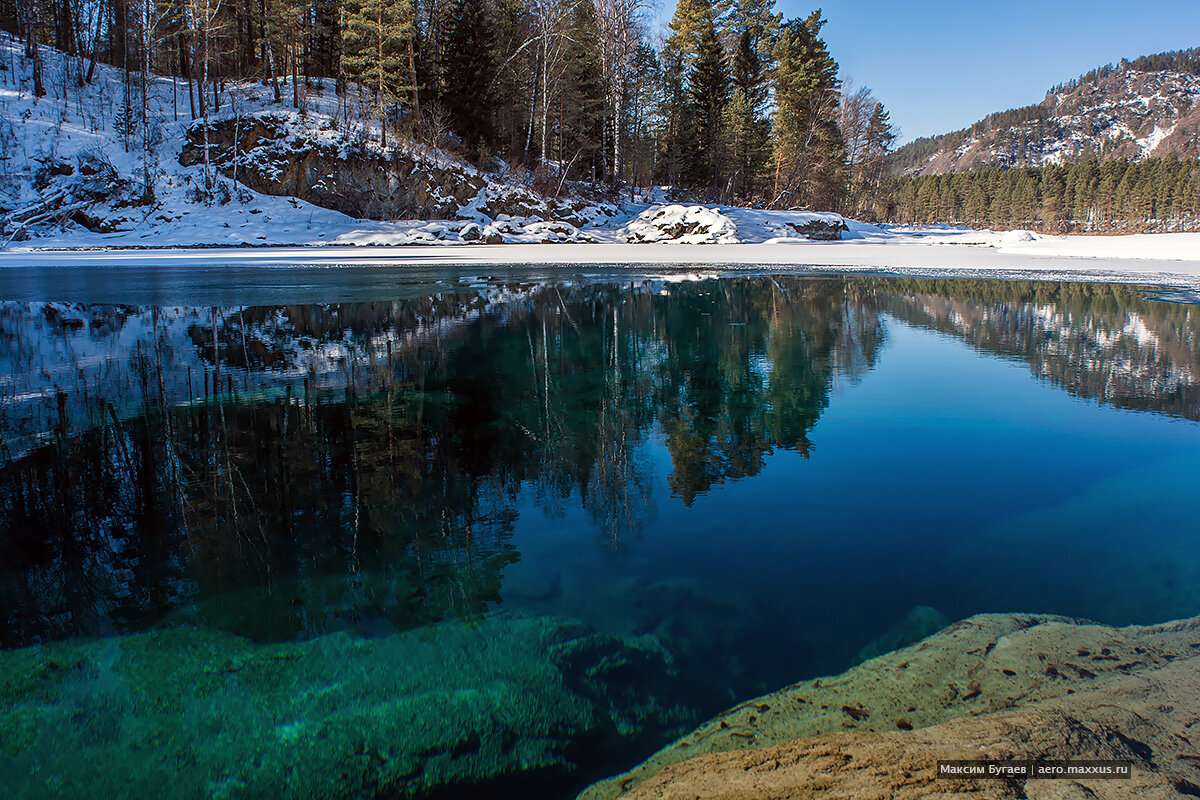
(938, 66)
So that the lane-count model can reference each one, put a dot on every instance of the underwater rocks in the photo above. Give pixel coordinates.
(992, 686)
(705, 628)
(919, 622)
(461, 708)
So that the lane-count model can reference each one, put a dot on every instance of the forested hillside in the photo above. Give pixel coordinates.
(1114, 150)
(738, 103)
(1134, 109)
(418, 109)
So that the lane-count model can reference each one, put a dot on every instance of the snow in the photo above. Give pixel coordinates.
(682, 224)
(1171, 260)
(1150, 142)
(650, 230)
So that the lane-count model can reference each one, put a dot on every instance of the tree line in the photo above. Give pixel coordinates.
(1157, 194)
(1185, 61)
(737, 103)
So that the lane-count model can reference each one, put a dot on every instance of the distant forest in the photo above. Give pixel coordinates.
(1159, 194)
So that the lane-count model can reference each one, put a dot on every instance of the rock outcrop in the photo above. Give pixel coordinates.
(270, 155)
(992, 686)
(275, 153)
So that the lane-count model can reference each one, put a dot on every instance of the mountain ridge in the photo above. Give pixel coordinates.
(1135, 109)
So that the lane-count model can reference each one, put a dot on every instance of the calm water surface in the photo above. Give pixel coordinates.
(733, 484)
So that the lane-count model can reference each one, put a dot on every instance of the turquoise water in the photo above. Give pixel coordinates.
(488, 535)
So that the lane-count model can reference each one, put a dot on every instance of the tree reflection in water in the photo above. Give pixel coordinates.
(284, 471)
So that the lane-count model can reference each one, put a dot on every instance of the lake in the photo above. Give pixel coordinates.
(428, 534)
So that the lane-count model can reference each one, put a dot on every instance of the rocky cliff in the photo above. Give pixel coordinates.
(276, 153)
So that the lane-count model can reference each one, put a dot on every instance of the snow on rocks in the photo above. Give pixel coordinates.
(683, 225)
(728, 225)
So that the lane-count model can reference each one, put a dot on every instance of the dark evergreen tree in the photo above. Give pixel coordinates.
(809, 156)
(748, 129)
(707, 95)
(583, 109)
(468, 70)
(670, 162)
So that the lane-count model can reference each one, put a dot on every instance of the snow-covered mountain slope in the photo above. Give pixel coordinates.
(120, 163)
(1115, 112)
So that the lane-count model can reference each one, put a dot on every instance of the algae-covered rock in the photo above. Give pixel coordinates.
(1016, 674)
(460, 707)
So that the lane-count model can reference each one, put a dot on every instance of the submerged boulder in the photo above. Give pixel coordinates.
(457, 708)
(992, 686)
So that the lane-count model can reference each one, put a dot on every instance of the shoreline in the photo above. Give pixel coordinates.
(935, 259)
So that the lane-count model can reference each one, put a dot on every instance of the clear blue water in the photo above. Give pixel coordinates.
(757, 477)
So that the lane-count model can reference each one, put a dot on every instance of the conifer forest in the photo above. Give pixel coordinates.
(737, 103)
(733, 103)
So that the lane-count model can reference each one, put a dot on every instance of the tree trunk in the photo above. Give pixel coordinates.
(91, 73)
(28, 22)
(545, 94)
(268, 54)
(616, 176)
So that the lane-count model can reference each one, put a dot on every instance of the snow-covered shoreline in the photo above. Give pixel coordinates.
(74, 194)
(1170, 260)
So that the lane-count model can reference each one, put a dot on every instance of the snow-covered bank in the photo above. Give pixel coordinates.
(76, 182)
(1175, 263)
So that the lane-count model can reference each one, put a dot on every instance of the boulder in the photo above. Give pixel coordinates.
(682, 224)
(829, 230)
(992, 686)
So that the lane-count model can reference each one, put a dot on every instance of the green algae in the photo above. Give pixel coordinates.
(455, 707)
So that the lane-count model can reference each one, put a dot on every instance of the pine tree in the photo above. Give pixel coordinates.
(809, 166)
(687, 26)
(707, 96)
(880, 138)
(748, 130)
(467, 71)
(378, 35)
